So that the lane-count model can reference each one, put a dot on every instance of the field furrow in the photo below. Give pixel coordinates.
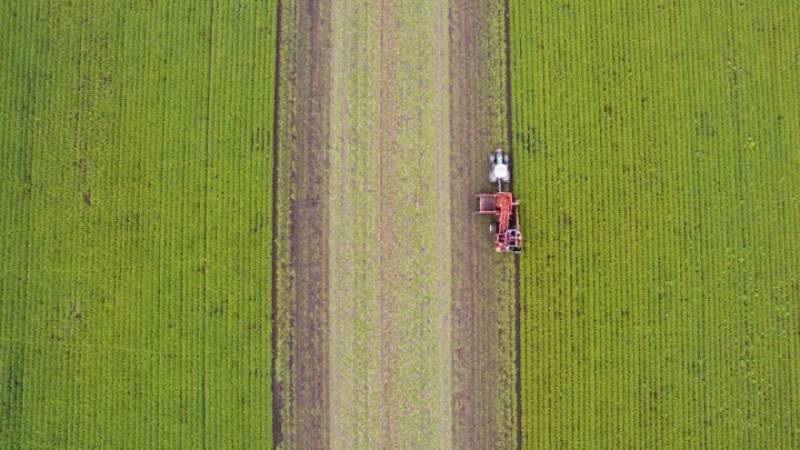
(483, 302)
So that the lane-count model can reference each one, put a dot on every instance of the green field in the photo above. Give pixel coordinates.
(136, 197)
(657, 149)
(158, 287)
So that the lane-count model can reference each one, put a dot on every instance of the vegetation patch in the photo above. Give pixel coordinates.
(656, 149)
(135, 254)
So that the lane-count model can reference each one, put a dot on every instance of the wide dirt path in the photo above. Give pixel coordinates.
(394, 317)
(354, 196)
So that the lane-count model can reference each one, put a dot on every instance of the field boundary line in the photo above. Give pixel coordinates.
(276, 411)
(209, 89)
(517, 293)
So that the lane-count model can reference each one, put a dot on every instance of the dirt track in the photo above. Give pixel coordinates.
(302, 321)
(483, 296)
(355, 223)
(399, 329)
(415, 260)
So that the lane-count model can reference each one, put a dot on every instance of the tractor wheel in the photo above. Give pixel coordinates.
(492, 228)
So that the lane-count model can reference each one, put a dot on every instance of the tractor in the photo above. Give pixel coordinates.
(502, 205)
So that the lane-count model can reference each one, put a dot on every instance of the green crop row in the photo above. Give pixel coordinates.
(135, 269)
(657, 155)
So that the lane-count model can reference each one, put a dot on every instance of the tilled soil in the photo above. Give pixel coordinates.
(482, 289)
(306, 419)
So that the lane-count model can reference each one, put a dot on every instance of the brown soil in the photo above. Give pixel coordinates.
(481, 278)
(309, 218)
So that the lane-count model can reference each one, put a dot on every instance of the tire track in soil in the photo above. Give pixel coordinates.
(483, 297)
(309, 228)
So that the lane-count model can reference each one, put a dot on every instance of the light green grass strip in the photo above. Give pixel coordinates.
(420, 256)
(355, 227)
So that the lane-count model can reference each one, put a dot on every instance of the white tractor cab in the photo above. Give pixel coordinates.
(499, 172)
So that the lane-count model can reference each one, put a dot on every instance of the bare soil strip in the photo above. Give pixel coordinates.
(389, 270)
(302, 285)
(483, 296)
(310, 229)
(381, 348)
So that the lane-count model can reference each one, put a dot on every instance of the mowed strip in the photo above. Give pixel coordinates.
(136, 314)
(484, 391)
(355, 226)
(415, 226)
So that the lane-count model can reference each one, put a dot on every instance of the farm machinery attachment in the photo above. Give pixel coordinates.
(502, 205)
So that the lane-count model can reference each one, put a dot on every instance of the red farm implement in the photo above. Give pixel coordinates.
(502, 205)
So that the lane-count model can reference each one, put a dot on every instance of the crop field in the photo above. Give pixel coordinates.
(658, 159)
(375, 343)
(136, 198)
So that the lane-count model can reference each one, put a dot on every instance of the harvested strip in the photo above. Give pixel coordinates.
(302, 268)
(483, 297)
(355, 229)
(416, 227)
